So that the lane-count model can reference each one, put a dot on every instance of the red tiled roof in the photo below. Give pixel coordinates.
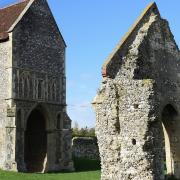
(9, 15)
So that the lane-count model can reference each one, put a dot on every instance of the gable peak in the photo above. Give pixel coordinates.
(148, 11)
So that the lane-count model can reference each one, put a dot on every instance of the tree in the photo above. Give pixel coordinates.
(75, 130)
(83, 132)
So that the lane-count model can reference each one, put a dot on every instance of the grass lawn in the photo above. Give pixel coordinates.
(90, 175)
(85, 170)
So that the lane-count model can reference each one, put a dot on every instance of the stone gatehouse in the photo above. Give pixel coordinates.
(35, 128)
(138, 104)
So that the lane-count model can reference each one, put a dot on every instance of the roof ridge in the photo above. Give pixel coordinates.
(13, 4)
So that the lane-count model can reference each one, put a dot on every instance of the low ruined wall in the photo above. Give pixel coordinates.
(85, 147)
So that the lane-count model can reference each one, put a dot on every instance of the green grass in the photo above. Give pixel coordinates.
(85, 170)
(86, 165)
(90, 175)
(170, 177)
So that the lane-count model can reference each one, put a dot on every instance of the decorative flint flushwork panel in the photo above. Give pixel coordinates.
(31, 85)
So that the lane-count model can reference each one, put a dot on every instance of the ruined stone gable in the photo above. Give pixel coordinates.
(137, 106)
(35, 128)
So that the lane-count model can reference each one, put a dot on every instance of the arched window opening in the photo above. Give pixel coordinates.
(172, 148)
(59, 122)
(66, 121)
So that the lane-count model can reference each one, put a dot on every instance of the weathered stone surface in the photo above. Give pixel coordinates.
(85, 147)
(140, 81)
(32, 69)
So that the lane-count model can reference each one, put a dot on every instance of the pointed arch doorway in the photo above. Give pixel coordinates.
(171, 129)
(35, 150)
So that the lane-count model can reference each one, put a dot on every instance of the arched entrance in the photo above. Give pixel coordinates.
(35, 142)
(171, 129)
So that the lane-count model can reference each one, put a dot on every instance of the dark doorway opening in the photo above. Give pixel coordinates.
(170, 125)
(35, 142)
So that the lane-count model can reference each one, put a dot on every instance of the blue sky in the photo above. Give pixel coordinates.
(91, 29)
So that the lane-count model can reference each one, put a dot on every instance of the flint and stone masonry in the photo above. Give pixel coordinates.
(138, 104)
(85, 147)
(35, 130)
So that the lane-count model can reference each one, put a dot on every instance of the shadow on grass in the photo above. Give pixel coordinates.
(86, 165)
(82, 165)
(170, 177)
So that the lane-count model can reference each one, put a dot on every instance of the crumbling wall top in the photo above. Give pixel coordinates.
(128, 37)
